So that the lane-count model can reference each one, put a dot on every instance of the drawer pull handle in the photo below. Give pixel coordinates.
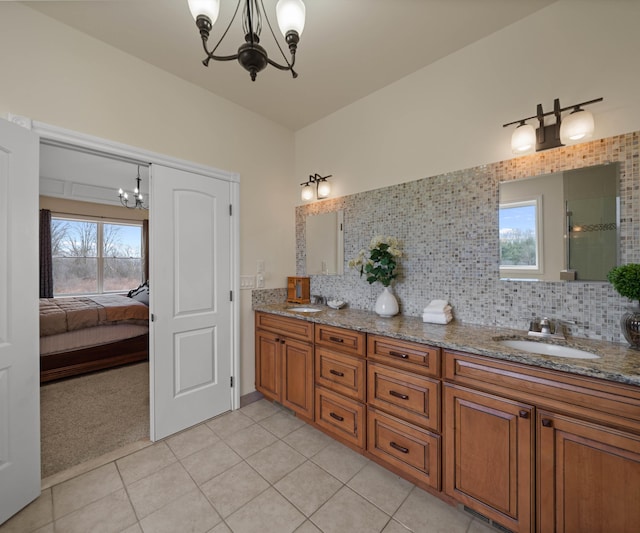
(398, 447)
(398, 354)
(336, 373)
(398, 395)
(336, 339)
(547, 423)
(524, 414)
(337, 417)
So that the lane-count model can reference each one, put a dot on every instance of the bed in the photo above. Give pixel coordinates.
(83, 334)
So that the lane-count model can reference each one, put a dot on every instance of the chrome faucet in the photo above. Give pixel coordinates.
(545, 327)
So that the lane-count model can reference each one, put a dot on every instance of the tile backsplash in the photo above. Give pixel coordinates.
(448, 226)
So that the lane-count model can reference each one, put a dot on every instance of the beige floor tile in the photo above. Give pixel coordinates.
(308, 527)
(260, 409)
(232, 489)
(381, 487)
(37, 514)
(340, 461)
(308, 487)
(308, 440)
(268, 513)
(145, 462)
(250, 440)
(191, 512)
(49, 528)
(135, 528)
(110, 514)
(153, 492)
(348, 511)
(221, 528)
(395, 527)
(276, 461)
(227, 424)
(478, 526)
(85, 489)
(425, 513)
(210, 462)
(192, 440)
(281, 424)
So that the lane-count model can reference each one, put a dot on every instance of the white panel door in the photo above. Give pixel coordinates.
(19, 348)
(190, 279)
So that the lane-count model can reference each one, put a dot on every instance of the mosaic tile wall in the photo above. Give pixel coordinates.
(448, 225)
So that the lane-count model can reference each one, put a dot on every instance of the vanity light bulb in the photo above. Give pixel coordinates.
(523, 139)
(578, 126)
(324, 189)
(307, 193)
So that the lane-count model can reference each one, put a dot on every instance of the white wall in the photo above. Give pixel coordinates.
(449, 116)
(59, 76)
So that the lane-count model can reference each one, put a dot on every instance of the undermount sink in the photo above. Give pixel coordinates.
(302, 309)
(543, 348)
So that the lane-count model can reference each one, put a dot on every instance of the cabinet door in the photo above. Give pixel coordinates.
(268, 373)
(297, 376)
(489, 455)
(588, 477)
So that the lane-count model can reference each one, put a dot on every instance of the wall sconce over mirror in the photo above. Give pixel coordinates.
(322, 188)
(577, 126)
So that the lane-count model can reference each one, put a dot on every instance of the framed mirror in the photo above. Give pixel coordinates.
(324, 239)
(560, 226)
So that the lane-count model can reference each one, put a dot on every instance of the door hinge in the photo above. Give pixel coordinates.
(231, 379)
(153, 317)
(231, 296)
(230, 210)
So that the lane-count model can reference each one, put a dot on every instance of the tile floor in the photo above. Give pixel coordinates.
(258, 469)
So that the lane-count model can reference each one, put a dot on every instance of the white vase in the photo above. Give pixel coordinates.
(386, 304)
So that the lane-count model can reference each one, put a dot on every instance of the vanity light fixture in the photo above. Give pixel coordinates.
(251, 55)
(137, 195)
(577, 126)
(323, 187)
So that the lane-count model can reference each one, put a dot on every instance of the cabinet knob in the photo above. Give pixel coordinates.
(281, 341)
(546, 422)
(523, 413)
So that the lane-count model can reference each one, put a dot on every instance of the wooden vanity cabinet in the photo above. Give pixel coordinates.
(340, 376)
(284, 362)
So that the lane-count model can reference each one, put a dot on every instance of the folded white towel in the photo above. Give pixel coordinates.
(437, 305)
(435, 318)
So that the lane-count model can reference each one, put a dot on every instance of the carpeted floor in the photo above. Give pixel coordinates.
(88, 416)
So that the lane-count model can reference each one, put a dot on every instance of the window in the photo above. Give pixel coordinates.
(520, 236)
(94, 257)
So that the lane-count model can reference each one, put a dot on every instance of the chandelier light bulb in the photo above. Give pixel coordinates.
(291, 16)
(209, 8)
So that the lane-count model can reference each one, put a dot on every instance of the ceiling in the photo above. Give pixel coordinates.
(349, 48)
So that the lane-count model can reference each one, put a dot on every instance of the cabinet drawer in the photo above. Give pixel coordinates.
(343, 417)
(291, 327)
(341, 373)
(405, 446)
(407, 396)
(344, 340)
(410, 356)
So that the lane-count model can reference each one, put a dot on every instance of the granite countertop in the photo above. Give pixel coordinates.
(617, 362)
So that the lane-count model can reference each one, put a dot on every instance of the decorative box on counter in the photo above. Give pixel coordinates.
(298, 290)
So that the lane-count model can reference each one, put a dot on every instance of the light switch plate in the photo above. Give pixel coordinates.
(247, 282)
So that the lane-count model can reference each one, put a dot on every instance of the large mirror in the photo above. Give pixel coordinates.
(325, 243)
(561, 226)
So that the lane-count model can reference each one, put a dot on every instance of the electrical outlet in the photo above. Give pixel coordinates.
(247, 282)
(260, 266)
(260, 281)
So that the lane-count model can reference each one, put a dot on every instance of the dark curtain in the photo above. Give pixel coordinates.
(145, 248)
(46, 259)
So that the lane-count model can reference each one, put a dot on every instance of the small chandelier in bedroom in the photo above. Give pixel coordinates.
(251, 55)
(137, 196)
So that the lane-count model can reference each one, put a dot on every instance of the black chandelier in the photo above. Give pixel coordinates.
(251, 55)
(137, 195)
